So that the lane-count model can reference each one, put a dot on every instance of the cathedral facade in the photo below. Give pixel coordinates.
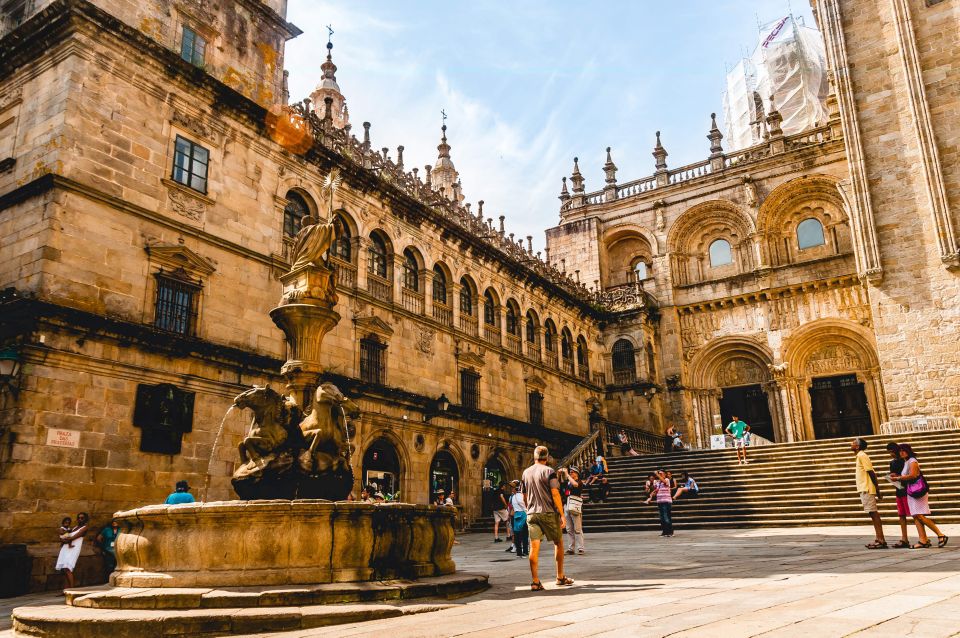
(153, 175)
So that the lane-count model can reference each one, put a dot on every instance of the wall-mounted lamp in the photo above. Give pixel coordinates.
(440, 406)
(10, 370)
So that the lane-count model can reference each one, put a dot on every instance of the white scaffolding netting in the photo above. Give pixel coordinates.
(790, 64)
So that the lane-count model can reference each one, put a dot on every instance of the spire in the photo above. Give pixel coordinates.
(576, 178)
(610, 169)
(444, 172)
(660, 155)
(564, 193)
(774, 119)
(328, 87)
(715, 136)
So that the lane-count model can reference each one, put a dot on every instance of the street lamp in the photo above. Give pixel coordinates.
(443, 403)
(439, 406)
(10, 370)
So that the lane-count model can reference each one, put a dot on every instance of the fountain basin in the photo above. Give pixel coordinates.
(281, 542)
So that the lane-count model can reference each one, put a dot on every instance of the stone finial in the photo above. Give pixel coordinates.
(366, 135)
(480, 210)
(416, 174)
(502, 218)
(328, 109)
(774, 119)
(400, 157)
(576, 178)
(530, 244)
(610, 169)
(564, 193)
(546, 252)
(457, 191)
(285, 90)
(660, 155)
(716, 149)
(386, 153)
(511, 236)
(427, 180)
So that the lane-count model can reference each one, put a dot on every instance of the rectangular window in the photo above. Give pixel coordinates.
(192, 47)
(535, 403)
(190, 164)
(470, 389)
(373, 361)
(176, 305)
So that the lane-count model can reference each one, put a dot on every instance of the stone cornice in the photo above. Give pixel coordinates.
(842, 281)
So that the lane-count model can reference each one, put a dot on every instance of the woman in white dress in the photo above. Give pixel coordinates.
(919, 506)
(71, 544)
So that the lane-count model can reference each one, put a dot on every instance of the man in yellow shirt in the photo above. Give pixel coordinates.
(869, 490)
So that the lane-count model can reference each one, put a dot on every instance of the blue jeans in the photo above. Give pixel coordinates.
(666, 519)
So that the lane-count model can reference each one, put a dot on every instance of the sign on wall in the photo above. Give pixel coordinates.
(63, 438)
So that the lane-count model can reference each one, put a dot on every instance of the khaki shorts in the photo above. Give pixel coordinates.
(545, 525)
(501, 515)
(869, 502)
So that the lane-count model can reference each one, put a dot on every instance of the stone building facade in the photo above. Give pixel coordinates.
(152, 175)
(152, 183)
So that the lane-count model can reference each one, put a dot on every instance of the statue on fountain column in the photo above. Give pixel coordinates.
(312, 242)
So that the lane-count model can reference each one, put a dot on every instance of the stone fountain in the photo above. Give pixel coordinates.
(291, 540)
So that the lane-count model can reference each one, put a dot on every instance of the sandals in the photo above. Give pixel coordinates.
(902, 545)
(942, 541)
(921, 545)
(876, 545)
(536, 586)
(564, 582)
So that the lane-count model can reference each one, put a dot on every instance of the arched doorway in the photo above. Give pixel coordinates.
(742, 395)
(493, 475)
(444, 474)
(381, 467)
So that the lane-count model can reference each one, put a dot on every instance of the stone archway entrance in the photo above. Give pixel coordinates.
(750, 404)
(838, 407)
(444, 474)
(381, 467)
(493, 474)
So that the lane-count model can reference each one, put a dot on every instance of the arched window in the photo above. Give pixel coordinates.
(378, 256)
(340, 248)
(550, 337)
(531, 329)
(640, 270)
(489, 309)
(411, 271)
(566, 348)
(466, 298)
(624, 363)
(583, 359)
(810, 233)
(720, 253)
(513, 323)
(293, 213)
(439, 286)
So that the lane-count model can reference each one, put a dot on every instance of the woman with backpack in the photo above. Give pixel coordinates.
(521, 534)
(917, 498)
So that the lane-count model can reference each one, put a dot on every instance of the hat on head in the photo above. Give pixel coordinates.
(182, 486)
(515, 482)
(573, 468)
(441, 492)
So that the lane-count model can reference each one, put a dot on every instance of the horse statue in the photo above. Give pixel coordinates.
(325, 432)
(273, 436)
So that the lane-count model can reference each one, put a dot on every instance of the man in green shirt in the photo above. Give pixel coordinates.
(738, 430)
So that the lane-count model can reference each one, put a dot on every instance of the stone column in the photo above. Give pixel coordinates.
(360, 250)
(705, 404)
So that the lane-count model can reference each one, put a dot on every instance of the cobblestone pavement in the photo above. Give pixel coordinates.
(816, 582)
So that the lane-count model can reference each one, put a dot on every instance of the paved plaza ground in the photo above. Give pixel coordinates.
(816, 582)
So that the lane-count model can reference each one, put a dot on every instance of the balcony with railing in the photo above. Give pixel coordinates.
(469, 325)
(346, 274)
(379, 287)
(533, 351)
(412, 301)
(566, 365)
(624, 377)
(491, 333)
(584, 373)
(514, 344)
(551, 358)
(443, 314)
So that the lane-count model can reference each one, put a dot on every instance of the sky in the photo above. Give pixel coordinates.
(527, 85)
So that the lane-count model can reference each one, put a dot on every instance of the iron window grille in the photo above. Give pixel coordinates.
(373, 361)
(489, 310)
(192, 47)
(470, 389)
(624, 362)
(176, 303)
(411, 278)
(531, 331)
(535, 403)
(513, 326)
(190, 162)
(466, 301)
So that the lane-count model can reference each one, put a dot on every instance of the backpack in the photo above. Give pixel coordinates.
(519, 521)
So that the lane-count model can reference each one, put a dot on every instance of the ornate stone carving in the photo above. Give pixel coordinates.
(782, 313)
(624, 298)
(11, 97)
(193, 124)
(186, 205)
(778, 370)
(831, 359)
(738, 371)
(424, 339)
(659, 219)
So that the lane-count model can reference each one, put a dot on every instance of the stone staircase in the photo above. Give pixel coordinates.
(791, 484)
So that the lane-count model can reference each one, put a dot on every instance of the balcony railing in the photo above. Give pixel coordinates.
(533, 351)
(567, 366)
(491, 333)
(346, 274)
(513, 344)
(469, 325)
(551, 359)
(600, 379)
(584, 373)
(379, 287)
(412, 301)
(624, 377)
(443, 314)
